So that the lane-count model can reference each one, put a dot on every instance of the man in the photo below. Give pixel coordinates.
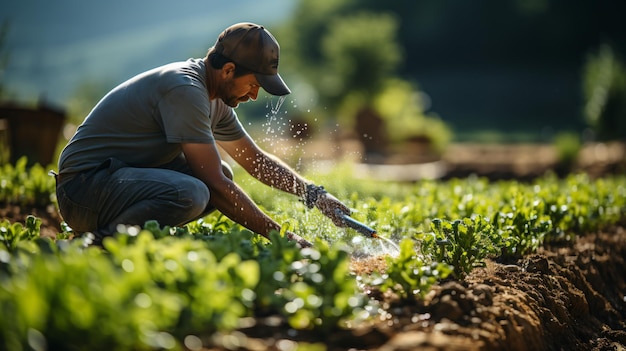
(149, 149)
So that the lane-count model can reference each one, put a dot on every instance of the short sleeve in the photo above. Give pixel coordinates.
(185, 114)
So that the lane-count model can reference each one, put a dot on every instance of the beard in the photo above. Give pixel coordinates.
(234, 101)
(228, 98)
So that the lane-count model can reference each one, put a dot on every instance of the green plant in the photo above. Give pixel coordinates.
(12, 233)
(26, 186)
(75, 299)
(568, 146)
(464, 244)
(410, 274)
(159, 278)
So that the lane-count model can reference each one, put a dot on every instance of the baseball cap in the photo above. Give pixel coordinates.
(255, 48)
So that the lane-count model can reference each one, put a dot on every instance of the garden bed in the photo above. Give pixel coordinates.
(562, 298)
(568, 297)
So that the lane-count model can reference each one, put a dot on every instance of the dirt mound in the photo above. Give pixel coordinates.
(562, 298)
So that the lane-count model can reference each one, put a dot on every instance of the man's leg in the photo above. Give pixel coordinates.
(179, 164)
(137, 214)
(99, 201)
(133, 196)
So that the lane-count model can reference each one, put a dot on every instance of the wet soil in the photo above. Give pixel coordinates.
(561, 298)
(564, 297)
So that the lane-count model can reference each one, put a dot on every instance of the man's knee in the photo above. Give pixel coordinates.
(195, 194)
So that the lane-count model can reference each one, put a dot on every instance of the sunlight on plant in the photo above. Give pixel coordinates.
(157, 278)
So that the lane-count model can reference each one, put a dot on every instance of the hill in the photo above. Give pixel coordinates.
(54, 46)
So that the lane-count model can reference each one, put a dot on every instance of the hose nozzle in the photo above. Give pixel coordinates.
(356, 225)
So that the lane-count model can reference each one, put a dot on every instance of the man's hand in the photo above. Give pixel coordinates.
(298, 239)
(328, 205)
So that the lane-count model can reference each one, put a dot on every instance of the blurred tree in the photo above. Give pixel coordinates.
(351, 57)
(301, 38)
(484, 60)
(340, 49)
(604, 89)
(359, 53)
(488, 64)
(402, 107)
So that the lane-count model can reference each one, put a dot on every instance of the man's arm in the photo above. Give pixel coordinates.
(265, 167)
(226, 196)
(271, 171)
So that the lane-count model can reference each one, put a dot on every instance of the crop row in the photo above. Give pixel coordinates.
(169, 288)
(26, 186)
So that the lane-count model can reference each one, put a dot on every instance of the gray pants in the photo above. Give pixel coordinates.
(98, 200)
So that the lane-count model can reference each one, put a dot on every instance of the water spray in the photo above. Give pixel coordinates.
(356, 225)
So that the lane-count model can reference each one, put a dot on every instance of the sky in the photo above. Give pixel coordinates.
(54, 46)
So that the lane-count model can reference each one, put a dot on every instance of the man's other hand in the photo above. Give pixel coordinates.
(328, 205)
(302, 243)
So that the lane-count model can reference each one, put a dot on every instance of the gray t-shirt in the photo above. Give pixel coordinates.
(143, 121)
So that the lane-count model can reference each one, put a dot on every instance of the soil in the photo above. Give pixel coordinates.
(50, 218)
(564, 297)
(561, 298)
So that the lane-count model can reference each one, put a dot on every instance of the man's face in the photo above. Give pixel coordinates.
(240, 89)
